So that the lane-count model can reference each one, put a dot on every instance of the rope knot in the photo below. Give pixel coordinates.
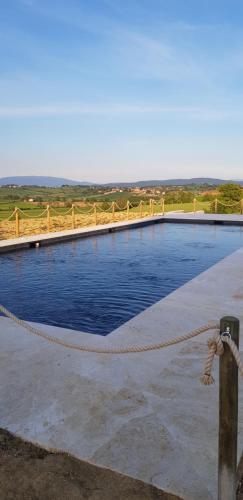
(216, 345)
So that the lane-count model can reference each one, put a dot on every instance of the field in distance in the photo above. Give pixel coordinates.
(76, 206)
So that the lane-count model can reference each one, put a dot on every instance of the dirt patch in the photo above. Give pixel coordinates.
(28, 472)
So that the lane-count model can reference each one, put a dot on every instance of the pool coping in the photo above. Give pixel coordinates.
(121, 412)
(24, 242)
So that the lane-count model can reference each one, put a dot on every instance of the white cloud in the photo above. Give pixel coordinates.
(77, 109)
(155, 52)
(150, 58)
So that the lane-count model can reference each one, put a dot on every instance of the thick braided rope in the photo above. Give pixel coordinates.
(105, 210)
(53, 210)
(9, 218)
(121, 209)
(132, 205)
(79, 211)
(108, 350)
(229, 205)
(235, 351)
(215, 347)
(35, 216)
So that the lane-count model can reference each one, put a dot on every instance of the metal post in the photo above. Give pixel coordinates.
(216, 206)
(48, 218)
(228, 413)
(194, 205)
(128, 205)
(17, 222)
(73, 217)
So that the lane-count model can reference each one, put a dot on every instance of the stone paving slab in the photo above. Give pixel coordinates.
(145, 415)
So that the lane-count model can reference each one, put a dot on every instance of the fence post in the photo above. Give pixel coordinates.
(216, 206)
(163, 206)
(152, 207)
(194, 205)
(17, 222)
(128, 205)
(113, 211)
(228, 413)
(73, 216)
(241, 206)
(141, 209)
(95, 213)
(48, 217)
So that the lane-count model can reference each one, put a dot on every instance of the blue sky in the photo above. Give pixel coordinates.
(108, 90)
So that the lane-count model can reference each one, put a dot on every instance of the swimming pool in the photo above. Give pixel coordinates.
(98, 283)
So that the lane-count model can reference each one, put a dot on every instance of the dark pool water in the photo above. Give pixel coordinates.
(98, 283)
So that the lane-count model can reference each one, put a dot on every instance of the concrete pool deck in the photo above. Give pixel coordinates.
(24, 242)
(146, 414)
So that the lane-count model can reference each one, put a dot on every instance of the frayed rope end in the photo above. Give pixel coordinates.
(207, 379)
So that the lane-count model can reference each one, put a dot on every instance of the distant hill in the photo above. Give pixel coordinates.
(40, 181)
(59, 181)
(175, 182)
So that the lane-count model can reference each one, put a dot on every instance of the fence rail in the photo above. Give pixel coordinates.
(33, 221)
